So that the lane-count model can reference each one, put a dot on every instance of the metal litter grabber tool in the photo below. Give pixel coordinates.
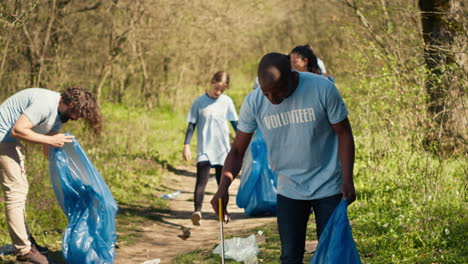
(221, 219)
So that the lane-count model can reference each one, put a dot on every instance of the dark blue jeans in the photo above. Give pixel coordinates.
(293, 216)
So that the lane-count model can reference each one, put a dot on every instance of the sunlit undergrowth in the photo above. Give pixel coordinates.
(411, 205)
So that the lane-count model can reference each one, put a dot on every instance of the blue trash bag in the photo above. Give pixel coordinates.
(87, 202)
(257, 191)
(336, 244)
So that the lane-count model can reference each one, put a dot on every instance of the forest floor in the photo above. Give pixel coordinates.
(163, 237)
(145, 232)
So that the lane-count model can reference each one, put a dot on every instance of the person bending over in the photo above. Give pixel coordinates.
(35, 115)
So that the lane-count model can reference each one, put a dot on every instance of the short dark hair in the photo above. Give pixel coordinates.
(276, 60)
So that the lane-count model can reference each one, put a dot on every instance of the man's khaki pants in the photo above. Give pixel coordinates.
(15, 186)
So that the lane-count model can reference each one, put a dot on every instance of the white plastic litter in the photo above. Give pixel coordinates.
(153, 261)
(171, 196)
(240, 249)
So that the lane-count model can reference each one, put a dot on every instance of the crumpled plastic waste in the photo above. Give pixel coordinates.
(240, 249)
(152, 261)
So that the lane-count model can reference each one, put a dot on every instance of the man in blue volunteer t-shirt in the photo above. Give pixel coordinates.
(310, 145)
(35, 115)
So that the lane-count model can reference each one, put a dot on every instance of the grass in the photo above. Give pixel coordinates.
(269, 250)
(133, 153)
(394, 220)
(411, 207)
(406, 218)
(138, 146)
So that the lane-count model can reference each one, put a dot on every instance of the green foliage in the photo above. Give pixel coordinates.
(411, 205)
(410, 209)
(149, 68)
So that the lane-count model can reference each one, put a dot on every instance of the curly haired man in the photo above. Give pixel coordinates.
(35, 115)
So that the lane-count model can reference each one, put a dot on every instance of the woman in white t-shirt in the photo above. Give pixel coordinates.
(303, 59)
(210, 113)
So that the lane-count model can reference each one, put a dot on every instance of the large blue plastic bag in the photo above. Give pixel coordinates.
(257, 191)
(87, 202)
(336, 244)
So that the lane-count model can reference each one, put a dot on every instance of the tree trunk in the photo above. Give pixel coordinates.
(2, 64)
(46, 44)
(444, 32)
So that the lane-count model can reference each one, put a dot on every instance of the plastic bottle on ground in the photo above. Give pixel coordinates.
(171, 196)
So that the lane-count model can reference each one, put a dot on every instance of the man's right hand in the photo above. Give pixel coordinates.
(22, 130)
(59, 140)
(222, 193)
(232, 166)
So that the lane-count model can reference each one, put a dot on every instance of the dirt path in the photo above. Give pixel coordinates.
(162, 238)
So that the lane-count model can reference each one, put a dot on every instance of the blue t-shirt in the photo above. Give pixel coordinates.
(39, 105)
(211, 116)
(302, 145)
